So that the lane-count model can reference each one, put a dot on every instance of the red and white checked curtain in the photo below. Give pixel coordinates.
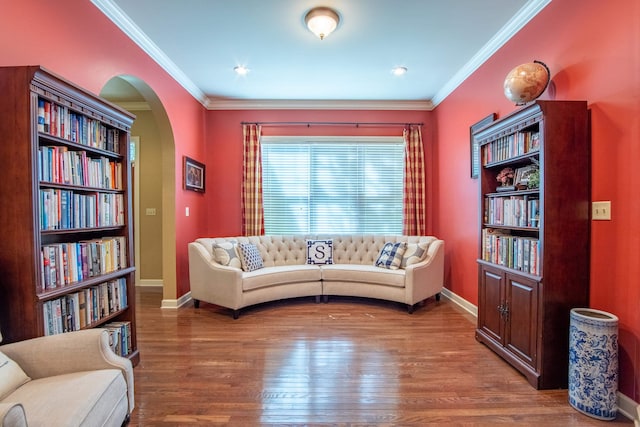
(252, 209)
(414, 183)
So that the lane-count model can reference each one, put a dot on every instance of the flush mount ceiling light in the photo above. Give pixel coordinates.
(321, 21)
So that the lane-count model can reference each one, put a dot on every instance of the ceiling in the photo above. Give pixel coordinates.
(199, 42)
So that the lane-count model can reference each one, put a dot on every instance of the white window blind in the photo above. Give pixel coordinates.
(332, 185)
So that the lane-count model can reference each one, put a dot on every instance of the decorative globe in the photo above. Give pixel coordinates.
(526, 82)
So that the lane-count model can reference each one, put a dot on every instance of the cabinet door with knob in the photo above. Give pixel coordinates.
(519, 312)
(508, 316)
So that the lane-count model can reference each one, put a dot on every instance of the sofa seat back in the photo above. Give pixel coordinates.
(281, 250)
(364, 249)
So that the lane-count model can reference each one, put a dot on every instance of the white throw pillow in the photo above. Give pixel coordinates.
(415, 253)
(225, 253)
(320, 251)
(249, 256)
(391, 255)
(11, 376)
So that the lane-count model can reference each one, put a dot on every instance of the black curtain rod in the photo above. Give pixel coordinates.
(309, 124)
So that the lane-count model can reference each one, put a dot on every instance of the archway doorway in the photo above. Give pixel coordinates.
(153, 183)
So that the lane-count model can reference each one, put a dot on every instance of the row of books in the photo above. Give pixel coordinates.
(80, 309)
(66, 263)
(512, 211)
(62, 122)
(59, 165)
(66, 209)
(510, 146)
(120, 337)
(516, 252)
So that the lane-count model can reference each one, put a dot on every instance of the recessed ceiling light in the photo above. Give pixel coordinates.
(399, 71)
(241, 70)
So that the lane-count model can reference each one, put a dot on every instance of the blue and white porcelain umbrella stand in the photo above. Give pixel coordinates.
(593, 362)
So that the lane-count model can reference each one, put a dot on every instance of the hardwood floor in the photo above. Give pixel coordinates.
(351, 362)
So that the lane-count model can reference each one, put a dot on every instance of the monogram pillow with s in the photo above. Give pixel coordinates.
(320, 251)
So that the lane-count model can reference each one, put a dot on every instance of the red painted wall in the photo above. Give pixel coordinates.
(224, 149)
(593, 51)
(75, 40)
(591, 46)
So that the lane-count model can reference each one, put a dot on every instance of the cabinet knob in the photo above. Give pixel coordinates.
(504, 311)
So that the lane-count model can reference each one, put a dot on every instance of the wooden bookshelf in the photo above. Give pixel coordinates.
(534, 239)
(66, 262)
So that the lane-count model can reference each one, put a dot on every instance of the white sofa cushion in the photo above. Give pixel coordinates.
(272, 276)
(11, 376)
(47, 400)
(364, 274)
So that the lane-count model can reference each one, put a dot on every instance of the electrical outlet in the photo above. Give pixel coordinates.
(151, 211)
(601, 211)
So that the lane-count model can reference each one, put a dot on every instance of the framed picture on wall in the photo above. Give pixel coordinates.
(193, 175)
(475, 149)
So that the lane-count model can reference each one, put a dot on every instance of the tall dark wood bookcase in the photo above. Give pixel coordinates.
(534, 239)
(66, 259)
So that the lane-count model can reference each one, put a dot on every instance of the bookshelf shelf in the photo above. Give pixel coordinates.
(76, 286)
(533, 265)
(46, 139)
(67, 259)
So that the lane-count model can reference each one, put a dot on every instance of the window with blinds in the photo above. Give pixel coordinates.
(332, 185)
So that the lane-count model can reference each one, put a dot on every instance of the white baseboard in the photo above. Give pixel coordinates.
(629, 408)
(150, 282)
(460, 302)
(176, 303)
(626, 406)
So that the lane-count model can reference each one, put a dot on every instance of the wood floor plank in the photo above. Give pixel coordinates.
(350, 362)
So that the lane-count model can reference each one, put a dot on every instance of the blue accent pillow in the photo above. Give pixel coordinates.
(391, 255)
(320, 251)
(249, 256)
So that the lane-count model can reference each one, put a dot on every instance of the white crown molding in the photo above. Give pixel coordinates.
(515, 24)
(122, 21)
(275, 104)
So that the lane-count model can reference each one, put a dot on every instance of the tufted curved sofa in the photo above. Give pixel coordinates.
(286, 273)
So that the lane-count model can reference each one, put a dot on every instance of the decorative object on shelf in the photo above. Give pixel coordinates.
(523, 177)
(526, 82)
(505, 178)
(193, 175)
(322, 21)
(593, 362)
(475, 150)
(534, 179)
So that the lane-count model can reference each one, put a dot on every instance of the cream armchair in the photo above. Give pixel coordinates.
(70, 379)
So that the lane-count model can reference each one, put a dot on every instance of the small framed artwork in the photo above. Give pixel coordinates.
(527, 176)
(475, 149)
(193, 175)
